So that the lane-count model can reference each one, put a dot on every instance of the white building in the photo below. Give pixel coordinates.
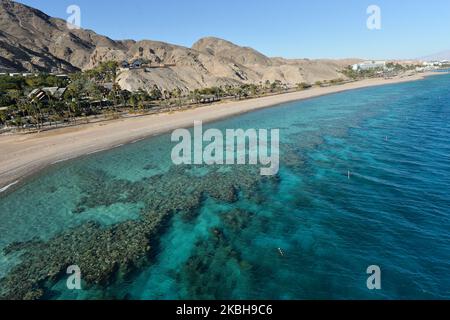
(369, 65)
(432, 64)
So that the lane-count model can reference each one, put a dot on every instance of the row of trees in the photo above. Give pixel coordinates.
(95, 92)
(391, 69)
(87, 93)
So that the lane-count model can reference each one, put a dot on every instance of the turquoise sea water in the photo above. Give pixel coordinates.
(223, 226)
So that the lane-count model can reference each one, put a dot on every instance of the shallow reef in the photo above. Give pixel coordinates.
(216, 268)
(105, 252)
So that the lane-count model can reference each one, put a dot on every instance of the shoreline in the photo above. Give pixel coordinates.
(25, 155)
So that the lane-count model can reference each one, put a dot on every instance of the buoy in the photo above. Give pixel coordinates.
(349, 174)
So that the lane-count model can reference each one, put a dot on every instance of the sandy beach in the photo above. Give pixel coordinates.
(24, 154)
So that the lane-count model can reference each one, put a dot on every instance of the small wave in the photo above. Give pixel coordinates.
(96, 151)
(62, 160)
(8, 186)
(135, 141)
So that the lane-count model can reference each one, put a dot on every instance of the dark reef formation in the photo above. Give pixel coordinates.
(105, 252)
(208, 273)
(100, 253)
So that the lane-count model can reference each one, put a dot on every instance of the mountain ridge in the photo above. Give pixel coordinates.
(32, 41)
(443, 55)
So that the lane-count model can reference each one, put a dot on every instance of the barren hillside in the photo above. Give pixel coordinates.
(33, 41)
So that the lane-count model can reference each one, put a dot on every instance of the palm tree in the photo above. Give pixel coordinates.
(39, 116)
(15, 95)
(18, 122)
(3, 117)
(29, 107)
(51, 110)
(133, 101)
(176, 93)
(72, 109)
(20, 108)
(140, 99)
(156, 93)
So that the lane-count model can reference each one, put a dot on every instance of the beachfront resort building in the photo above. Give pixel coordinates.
(144, 64)
(135, 64)
(432, 65)
(47, 93)
(435, 63)
(369, 65)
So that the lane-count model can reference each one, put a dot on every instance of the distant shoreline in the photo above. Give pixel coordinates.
(25, 155)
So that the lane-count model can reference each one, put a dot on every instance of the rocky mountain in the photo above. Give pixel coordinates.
(444, 55)
(227, 50)
(33, 41)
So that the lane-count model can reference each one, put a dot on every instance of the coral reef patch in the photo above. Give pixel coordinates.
(104, 252)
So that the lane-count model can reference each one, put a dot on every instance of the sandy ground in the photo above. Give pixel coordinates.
(23, 155)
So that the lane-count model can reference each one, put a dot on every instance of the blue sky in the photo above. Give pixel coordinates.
(288, 28)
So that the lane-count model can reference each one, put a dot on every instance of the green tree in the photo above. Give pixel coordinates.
(3, 117)
(133, 101)
(303, 86)
(156, 93)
